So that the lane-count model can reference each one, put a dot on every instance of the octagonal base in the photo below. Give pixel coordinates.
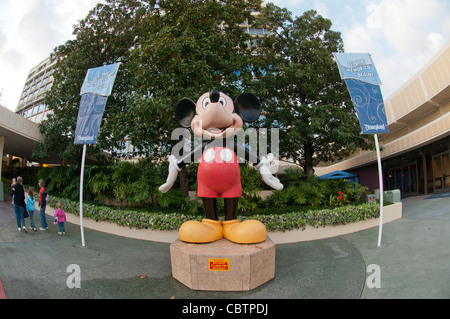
(223, 265)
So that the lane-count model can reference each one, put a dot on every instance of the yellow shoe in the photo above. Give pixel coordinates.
(247, 232)
(201, 232)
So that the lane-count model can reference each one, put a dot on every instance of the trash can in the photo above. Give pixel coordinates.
(392, 196)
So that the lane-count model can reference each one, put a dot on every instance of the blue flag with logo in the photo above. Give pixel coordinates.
(100, 80)
(363, 83)
(89, 118)
(97, 86)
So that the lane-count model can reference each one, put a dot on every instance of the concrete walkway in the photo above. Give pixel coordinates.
(413, 262)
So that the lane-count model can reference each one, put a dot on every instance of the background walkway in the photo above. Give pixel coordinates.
(413, 260)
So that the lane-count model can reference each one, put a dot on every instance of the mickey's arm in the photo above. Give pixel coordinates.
(263, 165)
(175, 166)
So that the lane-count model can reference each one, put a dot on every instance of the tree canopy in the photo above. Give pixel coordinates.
(167, 49)
(191, 47)
(107, 35)
(305, 96)
(182, 48)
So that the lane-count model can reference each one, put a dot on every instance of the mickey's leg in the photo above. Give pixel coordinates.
(209, 230)
(210, 208)
(231, 205)
(246, 232)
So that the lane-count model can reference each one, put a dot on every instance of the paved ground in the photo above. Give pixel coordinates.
(413, 262)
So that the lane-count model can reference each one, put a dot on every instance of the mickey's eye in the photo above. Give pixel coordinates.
(206, 101)
(223, 101)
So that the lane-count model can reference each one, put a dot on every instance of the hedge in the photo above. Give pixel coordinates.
(318, 218)
(173, 221)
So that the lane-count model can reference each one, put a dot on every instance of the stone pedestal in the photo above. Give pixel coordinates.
(223, 265)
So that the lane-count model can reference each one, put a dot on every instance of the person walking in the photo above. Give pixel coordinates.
(60, 215)
(30, 207)
(19, 203)
(13, 182)
(42, 205)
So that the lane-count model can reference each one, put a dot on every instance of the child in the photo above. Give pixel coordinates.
(61, 215)
(13, 182)
(30, 207)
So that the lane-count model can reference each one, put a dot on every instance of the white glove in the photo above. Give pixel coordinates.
(268, 178)
(173, 174)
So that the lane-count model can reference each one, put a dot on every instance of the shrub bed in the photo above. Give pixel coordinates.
(172, 221)
(134, 185)
(318, 218)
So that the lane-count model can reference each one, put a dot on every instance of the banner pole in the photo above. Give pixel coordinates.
(81, 195)
(380, 177)
(97, 86)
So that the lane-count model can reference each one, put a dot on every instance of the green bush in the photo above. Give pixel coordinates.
(173, 221)
(318, 218)
(125, 217)
(136, 185)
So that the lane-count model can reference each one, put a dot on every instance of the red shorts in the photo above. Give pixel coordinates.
(219, 174)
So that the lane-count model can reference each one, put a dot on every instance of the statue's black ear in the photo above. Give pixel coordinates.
(185, 112)
(248, 107)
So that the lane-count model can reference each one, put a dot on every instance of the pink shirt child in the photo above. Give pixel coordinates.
(59, 213)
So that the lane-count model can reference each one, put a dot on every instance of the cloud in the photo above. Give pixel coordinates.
(402, 22)
(287, 3)
(40, 25)
(29, 31)
(401, 35)
(34, 31)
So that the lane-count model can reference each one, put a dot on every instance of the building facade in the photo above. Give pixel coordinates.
(38, 83)
(416, 151)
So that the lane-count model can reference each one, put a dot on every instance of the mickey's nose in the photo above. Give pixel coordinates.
(214, 96)
(215, 115)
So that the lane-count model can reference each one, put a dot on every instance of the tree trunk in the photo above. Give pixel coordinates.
(309, 152)
(184, 181)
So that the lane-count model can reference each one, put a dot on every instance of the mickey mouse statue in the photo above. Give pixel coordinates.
(216, 118)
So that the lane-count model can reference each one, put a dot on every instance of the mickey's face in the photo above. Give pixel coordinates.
(215, 115)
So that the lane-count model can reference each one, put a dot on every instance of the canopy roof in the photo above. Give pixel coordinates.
(337, 175)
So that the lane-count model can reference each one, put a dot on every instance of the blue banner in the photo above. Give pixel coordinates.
(357, 66)
(100, 80)
(368, 102)
(89, 118)
(363, 83)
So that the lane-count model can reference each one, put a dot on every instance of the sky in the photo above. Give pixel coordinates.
(401, 35)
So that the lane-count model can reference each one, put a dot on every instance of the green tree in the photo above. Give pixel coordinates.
(168, 50)
(107, 35)
(305, 96)
(189, 48)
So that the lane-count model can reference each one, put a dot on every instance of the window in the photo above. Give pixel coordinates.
(253, 31)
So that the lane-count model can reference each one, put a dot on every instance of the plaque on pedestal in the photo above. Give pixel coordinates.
(223, 265)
